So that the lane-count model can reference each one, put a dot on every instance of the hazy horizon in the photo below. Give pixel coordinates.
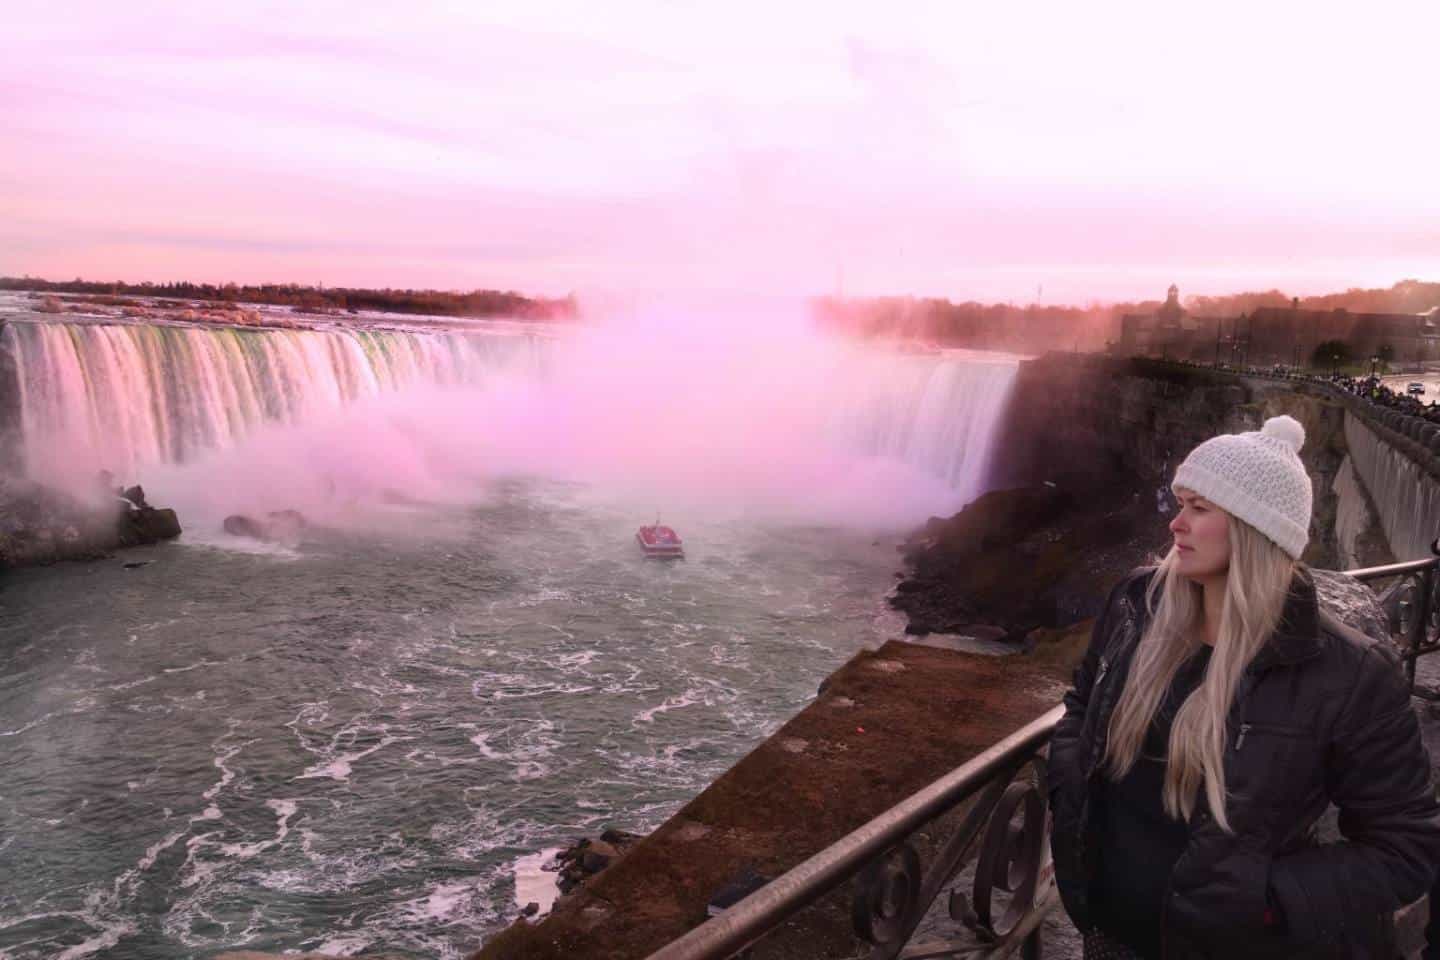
(1039, 154)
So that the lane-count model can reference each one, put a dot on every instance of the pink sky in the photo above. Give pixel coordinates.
(958, 149)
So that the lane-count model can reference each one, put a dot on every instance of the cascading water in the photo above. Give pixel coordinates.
(125, 397)
(361, 742)
(936, 414)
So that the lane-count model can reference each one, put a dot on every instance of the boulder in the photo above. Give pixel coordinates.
(588, 856)
(284, 526)
(1352, 603)
(146, 525)
(239, 525)
(597, 856)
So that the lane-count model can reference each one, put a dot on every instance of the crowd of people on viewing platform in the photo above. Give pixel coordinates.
(1370, 388)
(1367, 388)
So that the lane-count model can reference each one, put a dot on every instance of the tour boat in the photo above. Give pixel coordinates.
(660, 542)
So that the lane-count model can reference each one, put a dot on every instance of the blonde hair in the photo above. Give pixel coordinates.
(1255, 589)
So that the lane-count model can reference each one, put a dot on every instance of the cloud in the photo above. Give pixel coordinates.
(926, 148)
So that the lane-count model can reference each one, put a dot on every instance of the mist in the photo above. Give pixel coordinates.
(660, 407)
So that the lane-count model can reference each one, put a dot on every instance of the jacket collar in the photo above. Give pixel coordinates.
(1297, 637)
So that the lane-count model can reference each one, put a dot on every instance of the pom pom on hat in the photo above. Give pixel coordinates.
(1286, 429)
(1258, 478)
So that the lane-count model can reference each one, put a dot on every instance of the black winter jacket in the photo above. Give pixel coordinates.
(1322, 715)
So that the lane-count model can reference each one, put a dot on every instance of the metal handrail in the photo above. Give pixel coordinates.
(1392, 569)
(805, 883)
(1422, 573)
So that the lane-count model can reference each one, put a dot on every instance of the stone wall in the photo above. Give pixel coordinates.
(1406, 495)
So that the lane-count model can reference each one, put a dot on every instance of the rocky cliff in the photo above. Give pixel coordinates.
(1093, 423)
(1080, 491)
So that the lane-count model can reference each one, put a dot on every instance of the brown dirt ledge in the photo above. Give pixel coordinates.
(922, 710)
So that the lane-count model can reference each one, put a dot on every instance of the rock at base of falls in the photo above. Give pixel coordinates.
(40, 524)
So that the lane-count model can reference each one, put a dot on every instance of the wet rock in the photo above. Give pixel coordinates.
(239, 525)
(41, 525)
(597, 856)
(284, 526)
(148, 525)
(531, 909)
(589, 855)
(620, 838)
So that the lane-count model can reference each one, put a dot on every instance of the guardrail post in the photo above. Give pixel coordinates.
(1420, 628)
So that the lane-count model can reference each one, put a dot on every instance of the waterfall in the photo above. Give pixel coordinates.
(123, 396)
(938, 413)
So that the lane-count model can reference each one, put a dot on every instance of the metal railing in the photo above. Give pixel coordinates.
(894, 886)
(895, 889)
(1417, 611)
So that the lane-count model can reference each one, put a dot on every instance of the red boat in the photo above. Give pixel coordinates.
(659, 542)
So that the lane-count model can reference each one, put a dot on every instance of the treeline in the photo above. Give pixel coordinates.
(476, 303)
(1035, 328)
(1407, 296)
(993, 326)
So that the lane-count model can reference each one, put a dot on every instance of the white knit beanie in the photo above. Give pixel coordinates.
(1259, 478)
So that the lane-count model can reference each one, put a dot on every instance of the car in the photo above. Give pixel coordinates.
(1415, 389)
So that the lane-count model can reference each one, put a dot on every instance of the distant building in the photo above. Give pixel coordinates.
(1290, 335)
(1168, 332)
(1270, 335)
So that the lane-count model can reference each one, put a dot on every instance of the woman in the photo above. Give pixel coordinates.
(1215, 716)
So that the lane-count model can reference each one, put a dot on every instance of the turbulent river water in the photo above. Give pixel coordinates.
(364, 740)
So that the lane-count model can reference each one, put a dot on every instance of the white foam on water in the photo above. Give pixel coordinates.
(529, 770)
(130, 685)
(27, 727)
(690, 697)
(227, 776)
(200, 870)
(580, 658)
(108, 937)
(533, 883)
(344, 945)
(216, 539)
(284, 810)
(340, 768)
(152, 852)
(443, 901)
(193, 666)
(108, 930)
